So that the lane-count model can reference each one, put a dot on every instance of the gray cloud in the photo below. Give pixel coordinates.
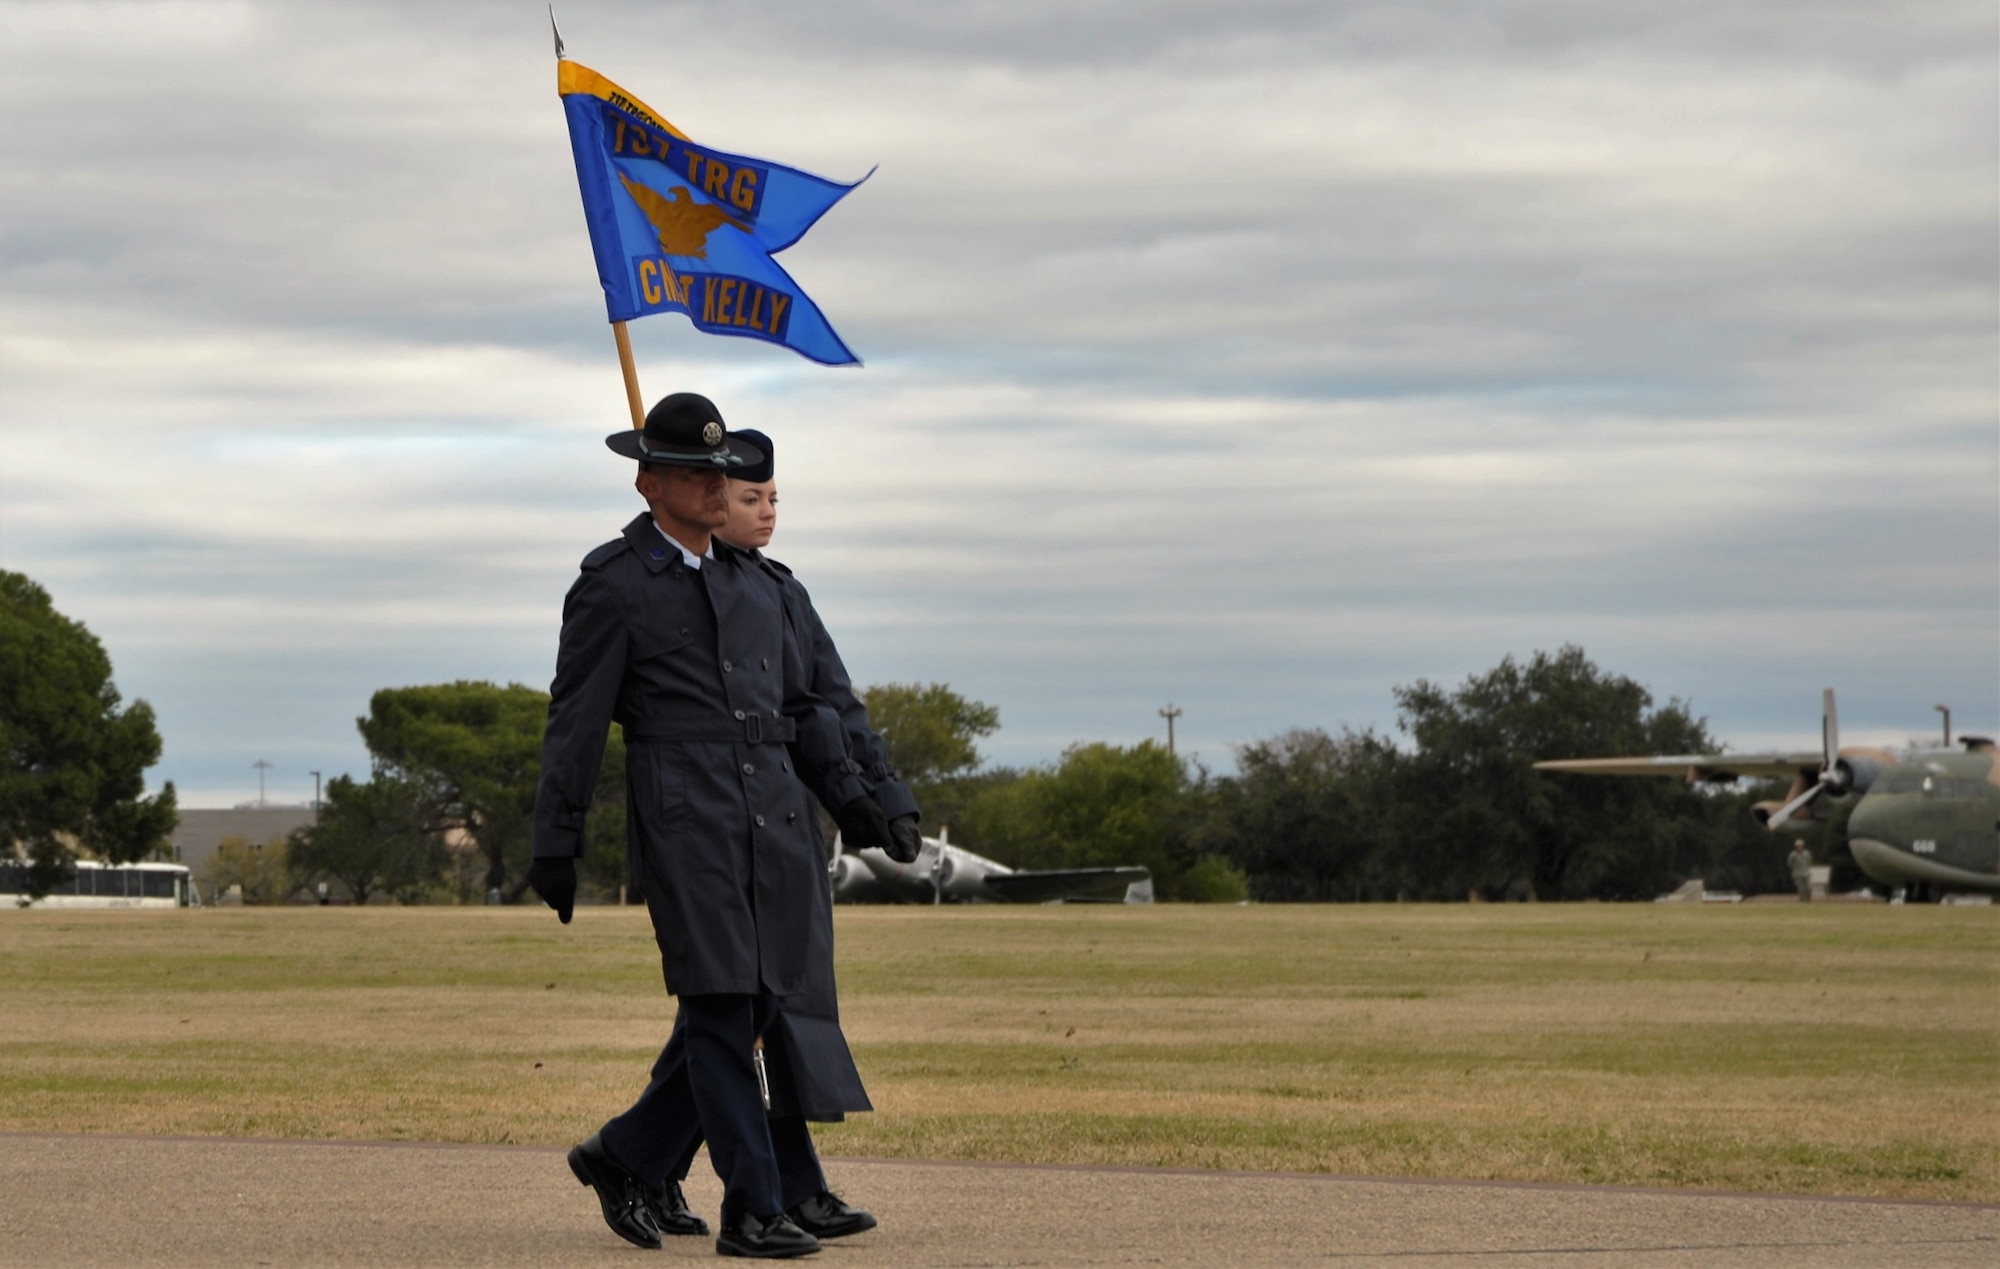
(1260, 357)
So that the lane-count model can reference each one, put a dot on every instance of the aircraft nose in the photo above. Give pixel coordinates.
(1872, 819)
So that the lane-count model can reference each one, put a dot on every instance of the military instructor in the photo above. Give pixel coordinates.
(684, 641)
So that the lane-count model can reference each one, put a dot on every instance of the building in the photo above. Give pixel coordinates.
(200, 831)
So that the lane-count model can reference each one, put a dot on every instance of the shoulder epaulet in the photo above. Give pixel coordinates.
(780, 567)
(604, 554)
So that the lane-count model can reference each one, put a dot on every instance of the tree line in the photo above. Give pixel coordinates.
(1447, 807)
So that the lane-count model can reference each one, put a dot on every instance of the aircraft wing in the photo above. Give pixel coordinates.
(1694, 766)
(1100, 885)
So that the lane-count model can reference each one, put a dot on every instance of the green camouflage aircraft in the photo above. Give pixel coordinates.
(1927, 823)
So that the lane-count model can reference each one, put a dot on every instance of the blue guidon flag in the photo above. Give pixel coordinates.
(678, 227)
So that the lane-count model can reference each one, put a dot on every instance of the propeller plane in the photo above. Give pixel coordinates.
(1926, 823)
(944, 873)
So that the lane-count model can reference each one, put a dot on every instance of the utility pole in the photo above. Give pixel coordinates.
(1170, 713)
(1946, 711)
(262, 766)
(315, 776)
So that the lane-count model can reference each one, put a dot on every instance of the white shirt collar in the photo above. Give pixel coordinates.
(688, 557)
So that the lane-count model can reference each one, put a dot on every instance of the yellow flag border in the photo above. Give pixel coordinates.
(575, 77)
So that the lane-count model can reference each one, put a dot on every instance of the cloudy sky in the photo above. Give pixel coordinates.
(1257, 357)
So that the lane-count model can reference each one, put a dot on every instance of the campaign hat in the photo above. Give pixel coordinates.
(685, 430)
(762, 470)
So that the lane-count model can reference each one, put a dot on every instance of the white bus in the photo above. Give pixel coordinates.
(104, 886)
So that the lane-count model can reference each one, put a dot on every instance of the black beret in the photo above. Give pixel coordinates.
(759, 472)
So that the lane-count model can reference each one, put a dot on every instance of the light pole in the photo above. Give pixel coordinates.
(262, 766)
(1170, 713)
(315, 776)
(1946, 711)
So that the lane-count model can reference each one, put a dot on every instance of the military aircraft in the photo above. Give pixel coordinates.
(1927, 823)
(944, 873)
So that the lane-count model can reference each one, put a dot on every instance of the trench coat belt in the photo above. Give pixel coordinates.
(744, 729)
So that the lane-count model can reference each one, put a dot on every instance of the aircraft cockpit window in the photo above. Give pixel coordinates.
(1902, 782)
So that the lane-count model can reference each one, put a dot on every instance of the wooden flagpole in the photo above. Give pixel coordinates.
(631, 374)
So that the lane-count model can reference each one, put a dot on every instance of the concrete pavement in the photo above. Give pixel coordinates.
(99, 1200)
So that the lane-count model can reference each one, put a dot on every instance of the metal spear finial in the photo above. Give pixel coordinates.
(556, 31)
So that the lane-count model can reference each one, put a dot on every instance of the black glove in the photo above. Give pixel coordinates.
(862, 825)
(555, 880)
(905, 842)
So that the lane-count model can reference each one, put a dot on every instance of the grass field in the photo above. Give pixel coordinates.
(1826, 1049)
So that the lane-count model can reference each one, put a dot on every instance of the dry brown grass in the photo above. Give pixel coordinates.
(1842, 1050)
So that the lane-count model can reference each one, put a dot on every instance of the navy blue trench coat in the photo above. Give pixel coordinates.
(812, 1071)
(726, 747)
(827, 676)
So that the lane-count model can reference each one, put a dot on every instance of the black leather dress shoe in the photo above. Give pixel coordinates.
(764, 1238)
(622, 1195)
(824, 1215)
(669, 1209)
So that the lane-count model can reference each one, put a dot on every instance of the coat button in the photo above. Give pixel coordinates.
(749, 768)
(786, 764)
(764, 662)
(791, 817)
(760, 821)
(726, 667)
(739, 715)
(684, 630)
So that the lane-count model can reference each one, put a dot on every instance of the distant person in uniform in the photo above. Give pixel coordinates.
(686, 642)
(1800, 862)
(809, 1066)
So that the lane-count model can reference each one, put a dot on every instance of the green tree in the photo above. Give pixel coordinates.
(1212, 879)
(1472, 814)
(1305, 817)
(475, 751)
(72, 762)
(372, 838)
(1103, 805)
(261, 868)
(931, 731)
(932, 735)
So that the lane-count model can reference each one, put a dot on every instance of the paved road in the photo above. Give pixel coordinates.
(87, 1200)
